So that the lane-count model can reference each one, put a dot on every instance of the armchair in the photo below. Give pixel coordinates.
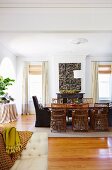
(43, 115)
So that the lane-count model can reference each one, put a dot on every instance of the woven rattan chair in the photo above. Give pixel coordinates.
(58, 119)
(75, 106)
(80, 120)
(99, 118)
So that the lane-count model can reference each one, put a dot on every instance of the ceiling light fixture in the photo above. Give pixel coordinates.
(79, 41)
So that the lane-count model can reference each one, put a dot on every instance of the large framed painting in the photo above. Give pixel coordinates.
(67, 82)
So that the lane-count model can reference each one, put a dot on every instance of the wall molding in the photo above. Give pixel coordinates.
(56, 31)
(55, 5)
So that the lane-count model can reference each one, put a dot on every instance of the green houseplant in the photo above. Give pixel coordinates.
(4, 83)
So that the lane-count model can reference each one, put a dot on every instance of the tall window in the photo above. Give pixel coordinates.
(7, 70)
(35, 82)
(105, 82)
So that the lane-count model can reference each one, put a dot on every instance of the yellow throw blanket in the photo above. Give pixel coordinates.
(12, 140)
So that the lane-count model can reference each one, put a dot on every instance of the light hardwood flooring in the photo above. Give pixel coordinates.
(73, 153)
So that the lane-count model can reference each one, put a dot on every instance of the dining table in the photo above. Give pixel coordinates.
(8, 112)
(91, 106)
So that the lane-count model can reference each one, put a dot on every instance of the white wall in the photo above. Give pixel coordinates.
(53, 78)
(4, 52)
(10, 71)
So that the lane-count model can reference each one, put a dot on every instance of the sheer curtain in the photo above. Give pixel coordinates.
(44, 82)
(94, 81)
(25, 89)
(111, 82)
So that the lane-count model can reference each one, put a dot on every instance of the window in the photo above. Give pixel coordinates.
(35, 82)
(7, 70)
(105, 82)
(104, 87)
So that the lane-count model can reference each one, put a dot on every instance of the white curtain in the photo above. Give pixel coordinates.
(44, 82)
(94, 82)
(25, 89)
(111, 82)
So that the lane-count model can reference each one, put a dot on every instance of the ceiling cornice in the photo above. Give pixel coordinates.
(55, 5)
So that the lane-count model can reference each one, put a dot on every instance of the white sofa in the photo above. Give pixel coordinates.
(35, 156)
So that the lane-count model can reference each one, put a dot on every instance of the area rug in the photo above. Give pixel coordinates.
(70, 133)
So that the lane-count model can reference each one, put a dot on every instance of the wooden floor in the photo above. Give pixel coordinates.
(73, 153)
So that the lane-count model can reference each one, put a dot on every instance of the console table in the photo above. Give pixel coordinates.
(70, 96)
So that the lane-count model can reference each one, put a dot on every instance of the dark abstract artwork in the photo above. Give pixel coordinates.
(66, 76)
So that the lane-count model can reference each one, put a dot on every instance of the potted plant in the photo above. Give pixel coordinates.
(4, 83)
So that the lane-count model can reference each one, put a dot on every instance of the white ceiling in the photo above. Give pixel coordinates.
(33, 44)
(39, 44)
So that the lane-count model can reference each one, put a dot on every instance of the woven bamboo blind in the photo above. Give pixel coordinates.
(35, 69)
(105, 69)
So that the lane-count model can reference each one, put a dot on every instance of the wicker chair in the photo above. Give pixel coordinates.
(99, 118)
(58, 119)
(76, 106)
(80, 120)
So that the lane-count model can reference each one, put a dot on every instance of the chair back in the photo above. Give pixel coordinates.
(101, 104)
(57, 112)
(100, 110)
(84, 105)
(35, 102)
(80, 106)
(87, 100)
(55, 100)
(57, 105)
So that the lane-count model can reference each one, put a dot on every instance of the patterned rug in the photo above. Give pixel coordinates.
(70, 133)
